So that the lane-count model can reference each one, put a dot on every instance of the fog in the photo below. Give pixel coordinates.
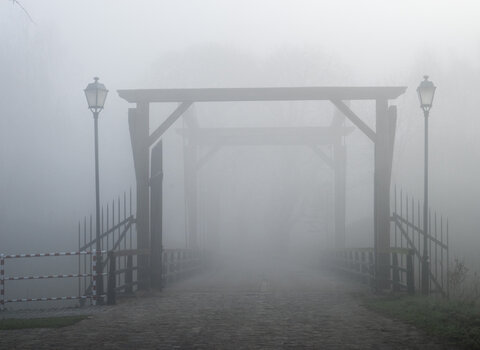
(268, 195)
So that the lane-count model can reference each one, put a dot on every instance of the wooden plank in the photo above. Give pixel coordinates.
(309, 93)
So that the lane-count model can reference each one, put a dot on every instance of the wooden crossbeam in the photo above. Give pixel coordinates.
(168, 122)
(355, 119)
(267, 136)
(303, 93)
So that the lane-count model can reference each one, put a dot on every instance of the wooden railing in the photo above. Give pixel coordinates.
(176, 264)
(179, 263)
(128, 272)
(361, 262)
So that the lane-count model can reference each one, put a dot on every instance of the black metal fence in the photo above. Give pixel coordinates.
(407, 232)
(120, 262)
(118, 232)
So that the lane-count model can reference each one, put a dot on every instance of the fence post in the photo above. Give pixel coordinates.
(355, 261)
(2, 276)
(94, 278)
(395, 273)
(371, 268)
(129, 275)
(111, 279)
(410, 276)
(171, 269)
(362, 266)
(175, 265)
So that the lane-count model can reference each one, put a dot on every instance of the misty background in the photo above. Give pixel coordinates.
(46, 130)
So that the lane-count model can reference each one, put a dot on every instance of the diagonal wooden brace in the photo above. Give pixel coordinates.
(355, 119)
(168, 122)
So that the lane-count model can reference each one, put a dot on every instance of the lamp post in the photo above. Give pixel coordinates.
(426, 91)
(96, 94)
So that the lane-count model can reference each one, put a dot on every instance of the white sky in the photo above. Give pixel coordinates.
(128, 35)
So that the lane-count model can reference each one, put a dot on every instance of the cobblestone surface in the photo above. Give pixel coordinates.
(287, 309)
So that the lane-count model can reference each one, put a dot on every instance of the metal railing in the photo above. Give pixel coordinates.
(4, 278)
(117, 224)
(407, 232)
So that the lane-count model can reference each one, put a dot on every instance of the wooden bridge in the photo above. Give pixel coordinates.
(148, 153)
(193, 298)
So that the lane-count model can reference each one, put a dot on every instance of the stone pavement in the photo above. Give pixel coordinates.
(235, 309)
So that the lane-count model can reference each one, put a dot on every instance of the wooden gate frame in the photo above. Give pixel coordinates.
(383, 138)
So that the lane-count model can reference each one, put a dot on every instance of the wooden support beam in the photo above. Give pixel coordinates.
(385, 130)
(355, 119)
(168, 122)
(190, 182)
(338, 118)
(392, 116)
(138, 120)
(340, 165)
(156, 215)
(301, 93)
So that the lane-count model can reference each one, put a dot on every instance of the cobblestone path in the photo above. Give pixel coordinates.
(235, 309)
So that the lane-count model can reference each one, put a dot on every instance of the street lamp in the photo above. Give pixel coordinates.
(426, 91)
(96, 94)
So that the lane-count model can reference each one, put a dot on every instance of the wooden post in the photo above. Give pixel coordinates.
(129, 275)
(371, 266)
(138, 119)
(340, 161)
(358, 265)
(410, 274)
(156, 215)
(111, 279)
(385, 136)
(190, 177)
(363, 269)
(395, 273)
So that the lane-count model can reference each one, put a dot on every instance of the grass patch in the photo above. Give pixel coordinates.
(47, 322)
(453, 321)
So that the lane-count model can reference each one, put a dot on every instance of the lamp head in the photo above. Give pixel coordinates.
(96, 94)
(426, 92)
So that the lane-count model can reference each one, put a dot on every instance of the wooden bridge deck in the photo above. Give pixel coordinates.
(235, 308)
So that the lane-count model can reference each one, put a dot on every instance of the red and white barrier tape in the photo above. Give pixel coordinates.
(3, 278)
(2, 281)
(94, 279)
(39, 255)
(49, 299)
(12, 278)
